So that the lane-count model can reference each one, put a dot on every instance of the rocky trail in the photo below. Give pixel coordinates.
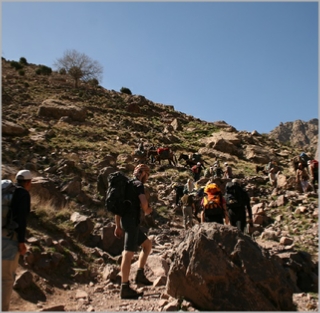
(73, 138)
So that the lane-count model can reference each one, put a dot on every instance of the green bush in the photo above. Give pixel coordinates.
(21, 72)
(16, 65)
(93, 82)
(43, 70)
(126, 90)
(23, 61)
(62, 71)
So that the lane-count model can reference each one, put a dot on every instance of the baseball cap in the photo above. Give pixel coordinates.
(24, 175)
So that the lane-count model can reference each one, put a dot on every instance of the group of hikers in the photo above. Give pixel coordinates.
(305, 168)
(214, 171)
(231, 208)
(307, 174)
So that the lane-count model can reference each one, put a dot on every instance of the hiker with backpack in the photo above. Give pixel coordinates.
(214, 205)
(196, 171)
(302, 178)
(187, 208)
(238, 202)
(217, 171)
(128, 225)
(179, 192)
(313, 166)
(16, 205)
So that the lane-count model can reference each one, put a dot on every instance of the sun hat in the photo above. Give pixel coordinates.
(24, 175)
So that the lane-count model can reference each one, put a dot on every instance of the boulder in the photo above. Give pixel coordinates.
(109, 242)
(12, 129)
(45, 191)
(56, 109)
(218, 268)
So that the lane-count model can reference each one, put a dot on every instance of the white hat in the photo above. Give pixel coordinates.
(198, 163)
(24, 175)
(225, 163)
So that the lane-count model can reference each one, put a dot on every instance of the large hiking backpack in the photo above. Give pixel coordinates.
(120, 193)
(7, 190)
(213, 206)
(235, 197)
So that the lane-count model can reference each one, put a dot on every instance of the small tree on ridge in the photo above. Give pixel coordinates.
(79, 66)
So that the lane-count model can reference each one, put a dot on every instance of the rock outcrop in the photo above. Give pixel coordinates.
(217, 268)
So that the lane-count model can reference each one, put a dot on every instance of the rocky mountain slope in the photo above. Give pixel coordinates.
(71, 139)
(300, 134)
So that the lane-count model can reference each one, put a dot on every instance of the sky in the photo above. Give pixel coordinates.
(250, 64)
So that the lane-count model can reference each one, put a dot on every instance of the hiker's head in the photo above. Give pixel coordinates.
(198, 164)
(24, 178)
(226, 163)
(142, 172)
(212, 189)
(235, 180)
(300, 165)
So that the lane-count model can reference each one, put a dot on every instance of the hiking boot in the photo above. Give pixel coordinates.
(128, 293)
(141, 279)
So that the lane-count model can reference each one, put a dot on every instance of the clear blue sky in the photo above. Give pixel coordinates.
(251, 64)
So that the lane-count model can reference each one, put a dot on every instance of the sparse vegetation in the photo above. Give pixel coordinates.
(126, 90)
(79, 66)
(43, 70)
(23, 61)
(16, 65)
(51, 145)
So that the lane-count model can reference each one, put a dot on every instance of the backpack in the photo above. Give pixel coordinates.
(120, 194)
(315, 164)
(213, 206)
(234, 196)
(7, 190)
(194, 169)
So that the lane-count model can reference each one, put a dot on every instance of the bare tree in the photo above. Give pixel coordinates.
(79, 66)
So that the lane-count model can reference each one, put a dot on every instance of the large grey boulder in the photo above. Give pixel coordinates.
(218, 268)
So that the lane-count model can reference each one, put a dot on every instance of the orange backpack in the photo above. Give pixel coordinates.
(213, 206)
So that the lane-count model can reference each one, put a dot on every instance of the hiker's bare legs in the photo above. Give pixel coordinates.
(126, 265)
(146, 249)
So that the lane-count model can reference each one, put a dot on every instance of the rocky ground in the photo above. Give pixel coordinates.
(69, 138)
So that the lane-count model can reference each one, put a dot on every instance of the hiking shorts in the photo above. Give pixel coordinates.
(133, 235)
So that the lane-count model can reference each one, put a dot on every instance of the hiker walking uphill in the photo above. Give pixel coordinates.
(302, 178)
(179, 192)
(196, 171)
(187, 208)
(214, 206)
(14, 226)
(227, 171)
(128, 225)
(238, 201)
(313, 166)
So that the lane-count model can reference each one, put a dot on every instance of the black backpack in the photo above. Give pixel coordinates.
(7, 190)
(120, 194)
(235, 197)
